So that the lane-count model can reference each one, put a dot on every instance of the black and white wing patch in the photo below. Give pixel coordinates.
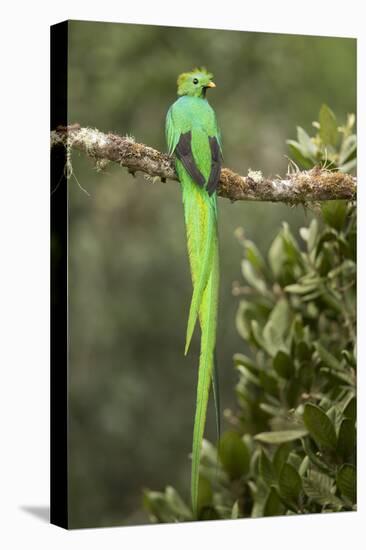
(213, 180)
(183, 151)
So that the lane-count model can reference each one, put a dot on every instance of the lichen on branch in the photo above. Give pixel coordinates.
(317, 184)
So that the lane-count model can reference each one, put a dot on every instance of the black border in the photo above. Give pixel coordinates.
(59, 294)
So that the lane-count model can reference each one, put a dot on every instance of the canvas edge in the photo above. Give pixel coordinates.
(59, 284)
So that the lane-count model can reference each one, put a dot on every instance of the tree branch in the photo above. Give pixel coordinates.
(297, 187)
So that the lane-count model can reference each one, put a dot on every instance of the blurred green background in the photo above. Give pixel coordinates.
(132, 392)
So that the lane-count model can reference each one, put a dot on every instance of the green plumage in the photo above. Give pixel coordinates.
(193, 136)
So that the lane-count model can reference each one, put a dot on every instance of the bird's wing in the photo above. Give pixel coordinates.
(216, 157)
(184, 153)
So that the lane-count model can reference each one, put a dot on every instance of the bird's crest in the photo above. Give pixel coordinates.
(202, 71)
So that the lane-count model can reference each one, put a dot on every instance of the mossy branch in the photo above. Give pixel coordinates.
(296, 187)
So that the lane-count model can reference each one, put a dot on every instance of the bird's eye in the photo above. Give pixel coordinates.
(195, 81)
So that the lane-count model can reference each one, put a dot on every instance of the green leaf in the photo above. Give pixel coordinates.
(177, 505)
(303, 351)
(243, 360)
(334, 213)
(297, 329)
(313, 457)
(276, 256)
(348, 166)
(304, 466)
(294, 460)
(335, 415)
(346, 444)
(273, 505)
(158, 508)
(328, 126)
(252, 278)
(244, 315)
(257, 336)
(283, 364)
(235, 510)
(259, 491)
(272, 338)
(327, 358)
(270, 409)
(234, 455)
(320, 488)
(319, 426)
(334, 301)
(346, 482)
(349, 357)
(344, 377)
(266, 469)
(254, 256)
(205, 494)
(293, 392)
(307, 146)
(351, 410)
(310, 234)
(276, 438)
(347, 269)
(301, 288)
(247, 376)
(208, 454)
(280, 457)
(269, 383)
(348, 149)
(291, 246)
(290, 484)
(280, 316)
(329, 235)
(298, 155)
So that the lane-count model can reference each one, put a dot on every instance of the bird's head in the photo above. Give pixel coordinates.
(195, 83)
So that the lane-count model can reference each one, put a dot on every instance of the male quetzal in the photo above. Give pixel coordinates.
(193, 136)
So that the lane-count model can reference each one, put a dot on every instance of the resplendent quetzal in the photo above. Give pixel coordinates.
(193, 136)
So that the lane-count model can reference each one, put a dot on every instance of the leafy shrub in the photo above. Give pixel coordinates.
(291, 447)
(333, 146)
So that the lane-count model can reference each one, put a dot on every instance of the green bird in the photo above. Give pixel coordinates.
(193, 136)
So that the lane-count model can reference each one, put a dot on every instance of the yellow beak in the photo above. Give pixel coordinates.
(211, 85)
